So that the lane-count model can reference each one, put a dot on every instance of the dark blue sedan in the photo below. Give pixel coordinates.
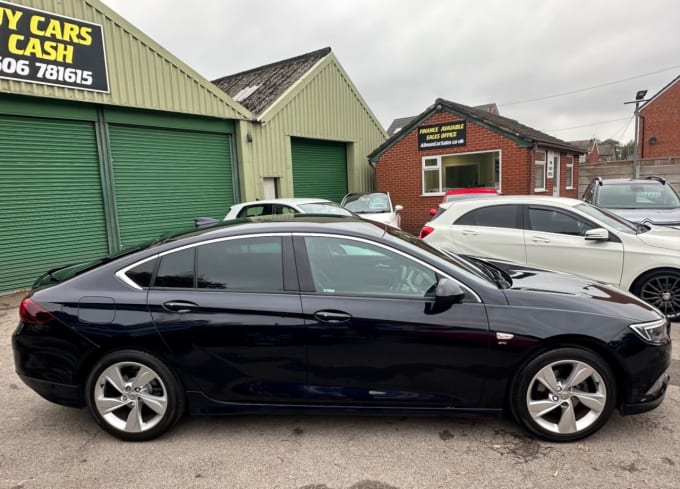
(334, 314)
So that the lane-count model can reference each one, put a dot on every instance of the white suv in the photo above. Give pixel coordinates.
(567, 235)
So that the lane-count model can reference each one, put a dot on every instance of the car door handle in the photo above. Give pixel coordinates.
(539, 239)
(468, 232)
(179, 306)
(332, 316)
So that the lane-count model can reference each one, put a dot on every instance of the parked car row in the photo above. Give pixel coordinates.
(374, 206)
(362, 317)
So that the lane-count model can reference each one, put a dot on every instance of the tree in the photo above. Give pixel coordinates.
(627, 150)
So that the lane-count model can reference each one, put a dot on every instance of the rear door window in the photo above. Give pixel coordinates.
(497, 216)
(176, 270)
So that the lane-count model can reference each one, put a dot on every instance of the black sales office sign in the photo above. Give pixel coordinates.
(441, 135)
(42, 47)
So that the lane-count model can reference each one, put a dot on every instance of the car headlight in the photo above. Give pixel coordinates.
(655, 332)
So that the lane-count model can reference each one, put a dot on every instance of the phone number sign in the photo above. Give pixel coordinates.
(42, 47)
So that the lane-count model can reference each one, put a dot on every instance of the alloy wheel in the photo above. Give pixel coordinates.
(663, 292)
(130, 397)
(566, 397)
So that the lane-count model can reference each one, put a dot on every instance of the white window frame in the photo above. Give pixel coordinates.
(545, 169)
(437, 168)
(499, 187)
(570, 173)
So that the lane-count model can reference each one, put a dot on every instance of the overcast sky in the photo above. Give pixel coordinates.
(403, 54)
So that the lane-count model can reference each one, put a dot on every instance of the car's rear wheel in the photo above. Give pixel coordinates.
(133, 395)
(564, 394)
(661, 289)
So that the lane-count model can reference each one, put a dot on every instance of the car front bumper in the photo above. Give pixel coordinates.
(652, 398)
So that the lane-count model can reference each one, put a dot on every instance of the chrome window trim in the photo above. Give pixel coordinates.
(399, 252)
(121, 273)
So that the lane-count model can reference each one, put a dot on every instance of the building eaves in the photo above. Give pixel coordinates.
(264, 85)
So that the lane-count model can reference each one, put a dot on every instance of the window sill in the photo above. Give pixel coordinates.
(569, 188)
(439, 194)
(539, 190)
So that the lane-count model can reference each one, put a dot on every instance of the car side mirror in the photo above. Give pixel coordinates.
(398, 208)
(448, 292)
(597, 234)
(432, 212)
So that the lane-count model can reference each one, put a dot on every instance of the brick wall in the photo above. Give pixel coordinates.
(399, 170)
(661, 119)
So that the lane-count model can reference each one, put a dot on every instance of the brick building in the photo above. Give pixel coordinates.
(659, 135)
(450, 145)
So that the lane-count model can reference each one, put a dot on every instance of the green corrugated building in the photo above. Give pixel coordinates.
(106, 139)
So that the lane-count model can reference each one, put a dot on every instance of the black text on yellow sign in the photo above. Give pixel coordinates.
(44, 47)
(441, 135)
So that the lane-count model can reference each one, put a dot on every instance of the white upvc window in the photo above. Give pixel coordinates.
(432, 175)
(539, 171)
(569, 177)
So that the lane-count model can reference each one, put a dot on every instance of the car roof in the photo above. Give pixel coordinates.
(513, 199)
(473, 190)
(289, 201)
(305, 223)
(621, 181)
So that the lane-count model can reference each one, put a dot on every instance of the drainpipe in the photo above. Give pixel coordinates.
(642, 136)
(532, 160)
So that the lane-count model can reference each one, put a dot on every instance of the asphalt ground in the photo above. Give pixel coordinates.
(43, 445)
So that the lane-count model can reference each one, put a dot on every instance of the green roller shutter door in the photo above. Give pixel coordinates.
(164, 178)
(51, 210)
(319, 168)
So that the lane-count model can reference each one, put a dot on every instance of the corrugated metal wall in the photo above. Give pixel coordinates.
(141, 73)
(327, 108)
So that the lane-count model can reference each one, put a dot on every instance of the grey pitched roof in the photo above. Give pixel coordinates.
(584, 144)
(504, 124)
(257, 89)
(397, 124)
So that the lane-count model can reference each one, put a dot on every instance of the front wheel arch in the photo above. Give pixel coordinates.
(563, 362)
(638, 284)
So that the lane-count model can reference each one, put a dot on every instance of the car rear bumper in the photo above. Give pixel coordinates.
(66, 395)
(652, 398)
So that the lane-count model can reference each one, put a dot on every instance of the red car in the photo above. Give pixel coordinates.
(466, 193)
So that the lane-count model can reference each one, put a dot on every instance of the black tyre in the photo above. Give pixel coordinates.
(564, 394)
(133, 395)
(661, 289)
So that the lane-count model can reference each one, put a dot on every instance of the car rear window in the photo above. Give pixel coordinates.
(497, 216)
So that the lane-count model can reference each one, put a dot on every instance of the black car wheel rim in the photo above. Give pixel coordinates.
(663, 292)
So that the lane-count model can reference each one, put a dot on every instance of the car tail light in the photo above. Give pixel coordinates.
(425, 231)
(31, 312)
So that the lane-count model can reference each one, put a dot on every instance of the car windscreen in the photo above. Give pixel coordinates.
(638, 195)
(324, 208)
(372, 203)
(608, 218)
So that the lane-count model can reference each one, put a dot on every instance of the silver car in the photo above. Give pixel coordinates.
(374, 206)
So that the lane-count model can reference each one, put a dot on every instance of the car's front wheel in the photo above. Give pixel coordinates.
(661, 289)
(133, 395)
(564, 394)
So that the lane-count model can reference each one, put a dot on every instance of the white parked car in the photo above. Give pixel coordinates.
(294, 205)
(567, 235)
(374, 206)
